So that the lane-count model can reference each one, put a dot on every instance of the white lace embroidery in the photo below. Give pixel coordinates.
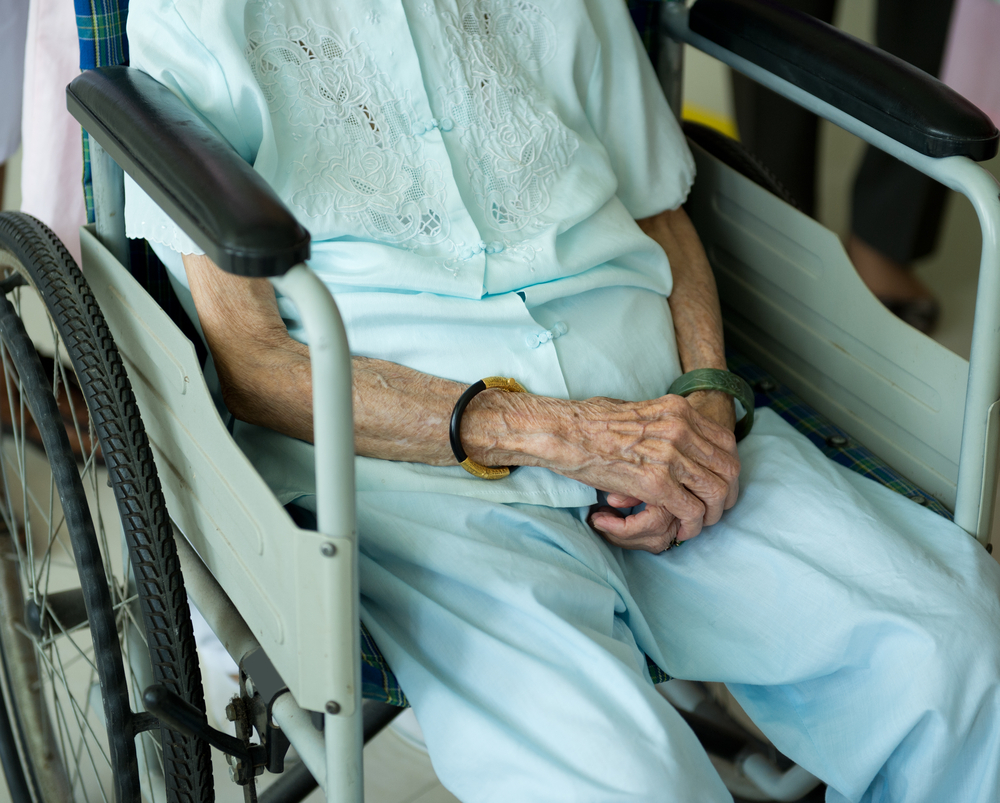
(144, 220)
(517, 147)
(368, 163)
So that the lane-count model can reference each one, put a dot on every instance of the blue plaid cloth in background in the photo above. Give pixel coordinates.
(101, 26)
(834, 442)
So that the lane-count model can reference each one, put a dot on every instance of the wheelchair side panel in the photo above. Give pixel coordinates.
(794, 304)
(276, 574)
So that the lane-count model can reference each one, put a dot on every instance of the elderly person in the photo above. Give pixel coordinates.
(494, 188)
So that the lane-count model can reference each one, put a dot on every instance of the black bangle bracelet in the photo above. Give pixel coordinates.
(470, 465)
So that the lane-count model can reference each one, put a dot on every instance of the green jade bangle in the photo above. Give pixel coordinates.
(717, 379)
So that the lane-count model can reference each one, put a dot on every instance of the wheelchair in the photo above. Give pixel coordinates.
(108, 409)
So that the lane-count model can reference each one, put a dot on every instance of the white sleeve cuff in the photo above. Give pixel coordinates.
(144, 220)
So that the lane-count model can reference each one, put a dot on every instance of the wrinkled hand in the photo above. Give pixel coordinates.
(654, 528)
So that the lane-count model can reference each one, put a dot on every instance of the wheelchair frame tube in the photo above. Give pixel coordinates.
(670, 66)
(974, 502)
(333, 436)
(213, 603)
(108, 182)
(239, 641)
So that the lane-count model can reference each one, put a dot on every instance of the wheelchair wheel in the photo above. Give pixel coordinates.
(92, 601)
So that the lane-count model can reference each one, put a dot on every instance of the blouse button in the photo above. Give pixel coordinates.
(535, 340)
(446, 124)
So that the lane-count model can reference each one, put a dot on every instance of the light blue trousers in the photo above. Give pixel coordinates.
(860, 631)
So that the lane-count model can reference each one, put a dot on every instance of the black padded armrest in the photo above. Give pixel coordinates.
(195, 176)
(881, 90)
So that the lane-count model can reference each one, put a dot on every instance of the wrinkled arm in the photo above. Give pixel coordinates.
(265, 375)
(694, 306)
(661, 451)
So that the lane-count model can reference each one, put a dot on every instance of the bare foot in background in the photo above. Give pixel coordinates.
(895, 286)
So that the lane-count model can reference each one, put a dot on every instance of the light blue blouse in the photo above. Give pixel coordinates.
(470, 172)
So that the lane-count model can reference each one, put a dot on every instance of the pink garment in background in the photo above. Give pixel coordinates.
(51, 154)
(972, 55)
(13, 17)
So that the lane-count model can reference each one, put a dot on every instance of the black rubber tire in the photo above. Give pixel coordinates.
(731, 152)
(42, 259)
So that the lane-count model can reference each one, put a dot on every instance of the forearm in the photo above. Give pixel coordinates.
(694, 306)
(403, 414)
(694, 301)
(638, 449)
(399, 413)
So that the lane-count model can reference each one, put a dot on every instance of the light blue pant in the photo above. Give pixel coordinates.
(860, 631)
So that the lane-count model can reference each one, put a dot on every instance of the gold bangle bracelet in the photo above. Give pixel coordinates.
(477, 469)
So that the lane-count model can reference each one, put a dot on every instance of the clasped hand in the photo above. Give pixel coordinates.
(676, 456)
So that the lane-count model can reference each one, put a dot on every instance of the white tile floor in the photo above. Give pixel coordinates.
(398, 772)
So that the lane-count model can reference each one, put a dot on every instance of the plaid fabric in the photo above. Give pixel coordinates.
(100, 25)
(377, 680)
(834, 442)
(88, 179)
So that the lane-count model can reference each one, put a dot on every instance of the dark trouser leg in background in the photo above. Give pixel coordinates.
(896, 210)
(780, 133)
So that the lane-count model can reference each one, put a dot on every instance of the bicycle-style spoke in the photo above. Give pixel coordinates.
(126, 606)
(47, 642)
(78, 753)
(62, 725)
(83, 724)
(59, 705)
(81, 654)
(46, 563)
(32, 503)
(122, 609)
(61, 379)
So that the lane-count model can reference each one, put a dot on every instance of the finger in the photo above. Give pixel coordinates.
(710, 491)
(650, 521)
(671, 493)
(718, 455)
(621, 500)
(698, 438)
(734, 493)
(652, 530)
(720, 437)
(714, 466)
